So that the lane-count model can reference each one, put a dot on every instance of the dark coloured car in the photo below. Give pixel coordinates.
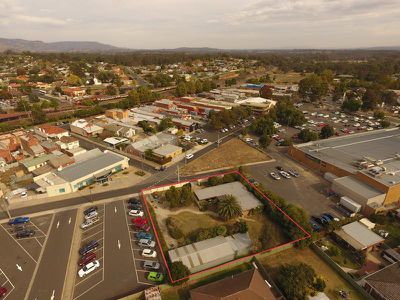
(279, 168)
(135, 206)
(87, 258)
(134, 201)
(92, 245)
(318, 220)
(293, 173)
(90, 210)
(315, 226)
(329, 216)
(19, 228)
(326, 219)
(3, 291)
(25, 233)
(19, 220)
(144, 235)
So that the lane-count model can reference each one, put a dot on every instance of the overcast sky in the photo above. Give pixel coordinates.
(206, 23)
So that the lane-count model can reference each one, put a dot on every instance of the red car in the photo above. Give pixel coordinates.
(87, 258)
(139, 221)
(3, 291)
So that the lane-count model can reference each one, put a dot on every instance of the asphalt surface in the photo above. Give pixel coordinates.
(49, 280)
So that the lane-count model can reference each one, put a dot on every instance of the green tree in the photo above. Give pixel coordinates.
(111, 90)
(133, 98)
(307, 135)
(74, 80)
(38, 115)
(54, 103)
(22, 105)
(385, 123)
(313, 87)
(165, 124)
(351, 105)
(379, 114)
(265, 140)
(229, 208)
(179, 271)
(389, 97)
(181, 89)
(327, 131)
(370, 99)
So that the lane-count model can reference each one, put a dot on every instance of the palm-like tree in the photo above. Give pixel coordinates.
(228, 208)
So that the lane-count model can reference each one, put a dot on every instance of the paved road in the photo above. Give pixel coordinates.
(49, 280)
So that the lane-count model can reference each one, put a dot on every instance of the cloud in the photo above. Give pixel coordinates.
(43, 20)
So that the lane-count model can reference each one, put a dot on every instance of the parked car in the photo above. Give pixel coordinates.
(149, 253)
(279, 168)
(156, 277)
(87, 269)
(89, 222)
(293, 173)
(144, 235)
(136, 213)
(19, 220)
(139, 221)
(315, 226)
(274, 176)
(135, 206)
(145, 227)
(25, 233)
(134, 201)
(326, 219)
(318, 220)
(3, 291)
(146, 243)
(87, 258)
(189, 156)
(153, 265)
(92, 245)
(91, 215)
(284, 174)
(328, 216)
(19, 228)
(90, 210)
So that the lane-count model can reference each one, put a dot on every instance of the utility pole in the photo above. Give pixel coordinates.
(218, 140)
(178, 174)
(6, 207)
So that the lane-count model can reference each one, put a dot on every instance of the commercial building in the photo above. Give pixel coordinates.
(368, 164)
(248, 285)
(212, 252)
(258, 105)
(246, 200)
(90, 167)
(384, 284)
(358, 237)
(168, 151)
(117, 114)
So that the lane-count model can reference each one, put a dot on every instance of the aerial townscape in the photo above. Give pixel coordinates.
(201, 151)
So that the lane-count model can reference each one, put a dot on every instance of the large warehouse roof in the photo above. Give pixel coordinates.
(246, 199)
(359, 187)
(343, 152)
(90, 166)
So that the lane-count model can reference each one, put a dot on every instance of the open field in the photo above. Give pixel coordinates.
(191, 221)
(333, 281)
(233, 153)
(289, 77)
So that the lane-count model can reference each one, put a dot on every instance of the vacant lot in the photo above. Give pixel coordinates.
(191, 221)
(231, 154)
(289, 77)
(333, 281)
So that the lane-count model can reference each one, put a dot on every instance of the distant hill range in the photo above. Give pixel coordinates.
(20, 45)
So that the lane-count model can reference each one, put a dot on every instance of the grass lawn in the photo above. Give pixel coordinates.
(191, 221)
(391, 225)
(289, 77)
(345, 259)
(233, 153)
(333, 281)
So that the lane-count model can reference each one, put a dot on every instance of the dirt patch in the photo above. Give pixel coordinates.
(333, 281)
(233, 153)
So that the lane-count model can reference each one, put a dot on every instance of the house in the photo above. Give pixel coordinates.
(51, 131)
(167, 151)
(49, 146)
(152, 142)
(248, 285)
(212, 252)
(384, 284)
(246, 200)
(30, 144)
(68, 142)
(120, 130)
(358, 237)
(74, 91)
(32, 164)
(83, 127)
(117, 114)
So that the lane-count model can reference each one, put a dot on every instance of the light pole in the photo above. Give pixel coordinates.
(6, 207)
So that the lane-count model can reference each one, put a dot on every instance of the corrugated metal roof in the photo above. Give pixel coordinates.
(362, 234)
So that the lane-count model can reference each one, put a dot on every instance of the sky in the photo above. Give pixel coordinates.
(227, 24)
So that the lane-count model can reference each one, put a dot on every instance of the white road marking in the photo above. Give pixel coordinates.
(58, 224)
(69, 220)
(115, 209)
(19, 267)
(119, 245)
(52, 295)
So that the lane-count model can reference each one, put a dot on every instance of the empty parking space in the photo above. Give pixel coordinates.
(93, 233)
(5, 282)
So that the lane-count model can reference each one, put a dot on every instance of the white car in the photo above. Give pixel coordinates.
(146, 243)
(91, 215)
(274, 176)
(189, 156)
(24, 195)
(284, 174)
(136, 213)
(89, 222)
(204, 141)
(149, 253)
(87, 269)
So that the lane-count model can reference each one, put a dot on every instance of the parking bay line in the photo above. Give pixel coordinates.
(92, 235)
(130, 244)
(37, 228)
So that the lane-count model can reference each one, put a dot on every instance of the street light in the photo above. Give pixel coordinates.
(5, 203)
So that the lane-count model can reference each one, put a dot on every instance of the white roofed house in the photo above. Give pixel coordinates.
(85, 128)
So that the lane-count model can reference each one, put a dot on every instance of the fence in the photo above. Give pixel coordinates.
(342, 273)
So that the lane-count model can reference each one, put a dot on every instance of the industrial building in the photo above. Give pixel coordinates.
(90, 167)
(212, 252)
(364, 167)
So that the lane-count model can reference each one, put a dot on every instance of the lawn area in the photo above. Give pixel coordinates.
(289, 77)
(333, 280)
(191, 221)
(233, 153)
(390, 224)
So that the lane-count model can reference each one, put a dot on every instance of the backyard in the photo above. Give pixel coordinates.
(333, 281)
(233, 153)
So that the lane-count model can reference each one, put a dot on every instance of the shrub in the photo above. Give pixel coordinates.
(179, 271)
(140, 173)
(221, 230)
(173, 227)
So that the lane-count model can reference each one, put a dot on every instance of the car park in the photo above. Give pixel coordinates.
(293, 173)
(152, 265)
(284, 174)
(274, 176)
(25, 233)
(144, 235)
(91, 215)
(87, 269)
(145, 228)
(149, 253)
(87, 258)
(3, 291)
(19, 228)
(136, 213)
(89, 222)
(146, 243)
(19, 220)
(92, 245)
(90, 210)
(318, 220)
(189, 156)
(156, 277)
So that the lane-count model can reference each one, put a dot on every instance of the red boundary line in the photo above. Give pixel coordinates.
(307, 234)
